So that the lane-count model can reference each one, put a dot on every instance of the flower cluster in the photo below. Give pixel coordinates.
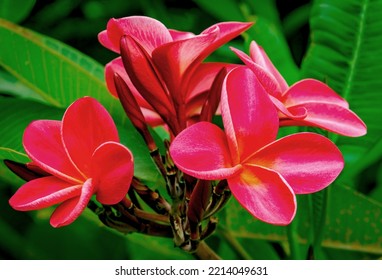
(161, 79)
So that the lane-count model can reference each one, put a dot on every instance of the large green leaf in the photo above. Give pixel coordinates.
(345, 52)
(15, 10)
(15, 115)
(353, 222)
(59, 73)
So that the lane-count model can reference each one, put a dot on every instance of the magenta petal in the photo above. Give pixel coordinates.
(43, 192)
(265, 194)
(43, 144)
(174, 59)
(249, 117)
(85, 126)
(227, 31)
(260, 57)
(112, 172)
(71, 209)
(116, 66)
(149, 32)
(145, 78)
(331, 117)
(267, 80)
(309, 162)
(180, 35)
(310, 90)
(202, 151)
(294, 113)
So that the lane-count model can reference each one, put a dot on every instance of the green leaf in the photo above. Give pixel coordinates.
(15, 115)
(15, 10)
(345, 52)
(59, 73)
(353, 222)
(9, 85)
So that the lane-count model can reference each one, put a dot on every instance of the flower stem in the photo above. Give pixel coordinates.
(204, 252)
(235, 245)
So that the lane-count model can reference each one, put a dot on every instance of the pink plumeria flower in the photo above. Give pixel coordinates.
(82, 156)
(165, 66)
(263, 173)
(308, 102)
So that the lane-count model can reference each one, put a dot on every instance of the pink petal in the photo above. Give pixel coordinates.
(143, 74)
(249, 117)
(116, 66)
(112, 171)
(296, 113)
(227, 31)
(149, 32)
(180, 35)
(260, 57)
(309, 162)
(267, 80)
(71, 209)
(43, 144)
(202, 151)
(331, 117)
(310, 90)
(174, 59)
(42, 193)
(85, 126)
(264, 194)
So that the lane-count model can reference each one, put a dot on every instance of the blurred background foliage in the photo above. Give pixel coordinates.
(338, 42)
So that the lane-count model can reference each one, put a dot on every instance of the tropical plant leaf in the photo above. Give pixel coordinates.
(353, 223)
(15, 115)
(59, 73)
(345, 51)
(15, 10)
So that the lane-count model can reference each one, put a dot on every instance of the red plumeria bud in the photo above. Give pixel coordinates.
(27, 171)
(133, 111)
(199, 201)
(143, 75)
(213, 100)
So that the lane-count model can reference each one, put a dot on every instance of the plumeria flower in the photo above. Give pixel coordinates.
(308, 102)
(164, 66)
(82, 156)
(263, 173)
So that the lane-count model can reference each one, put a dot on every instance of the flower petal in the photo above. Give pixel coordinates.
(71, 209)
(149, 32)
(42, 193)
(201, 150)
(116, 66)
(296, 113)
(264, 194)
(260, 57)
(249, 117)
(174, 59)
(112, 171)
(311, 90)
(331, 117)
(309, 162)
(145, 78)
(267, 80)
(85, 126)
(43, 144)
(180, 35)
